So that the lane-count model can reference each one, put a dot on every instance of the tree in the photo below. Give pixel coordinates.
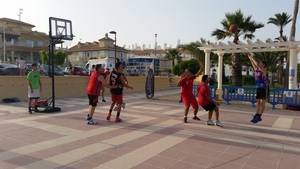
(44, 57)
(246, 28)
(192, 65)
(294, 20)
(198, 54)
(59, 57)
(280, 20)
(173, 54)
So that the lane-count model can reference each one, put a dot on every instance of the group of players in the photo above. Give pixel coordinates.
(186, 83)
(207, 103)
(116, 81)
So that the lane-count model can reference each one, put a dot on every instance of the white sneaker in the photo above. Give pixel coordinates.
(219, 123)
(210, 123)
(92, 122)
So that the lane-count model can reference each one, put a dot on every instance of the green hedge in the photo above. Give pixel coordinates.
(192, 65)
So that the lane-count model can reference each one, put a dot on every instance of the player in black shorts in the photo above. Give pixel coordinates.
(208, 104)
(262, 87)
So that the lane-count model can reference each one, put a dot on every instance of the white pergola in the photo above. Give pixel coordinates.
(252, 47)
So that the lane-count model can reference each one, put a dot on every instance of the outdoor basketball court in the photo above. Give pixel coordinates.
(152, 136)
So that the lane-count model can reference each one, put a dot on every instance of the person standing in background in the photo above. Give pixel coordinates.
(106, 75)
(34, 88)
(21, 65)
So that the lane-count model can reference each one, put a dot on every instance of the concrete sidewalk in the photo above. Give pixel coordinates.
(152, 136)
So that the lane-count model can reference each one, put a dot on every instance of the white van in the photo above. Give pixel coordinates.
(106, 63)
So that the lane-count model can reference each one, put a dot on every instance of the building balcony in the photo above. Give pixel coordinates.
(26, 44)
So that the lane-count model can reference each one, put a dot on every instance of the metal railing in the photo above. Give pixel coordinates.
(279, 96)
(233, 93)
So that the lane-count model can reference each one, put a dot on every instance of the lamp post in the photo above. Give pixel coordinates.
(4, 43)
(20, 13)
(115, 33)
(155, 45)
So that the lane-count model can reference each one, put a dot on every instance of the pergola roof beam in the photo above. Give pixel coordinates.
(258, 46)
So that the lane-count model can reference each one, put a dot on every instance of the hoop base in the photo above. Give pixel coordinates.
(50, 110)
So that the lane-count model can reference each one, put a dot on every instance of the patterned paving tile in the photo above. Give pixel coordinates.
(151, 136)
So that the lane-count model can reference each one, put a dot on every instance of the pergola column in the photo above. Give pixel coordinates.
(207, 62)
(220, 70)
(220, 73)
(293, 68)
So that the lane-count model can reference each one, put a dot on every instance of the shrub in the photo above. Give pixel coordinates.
(192, 65)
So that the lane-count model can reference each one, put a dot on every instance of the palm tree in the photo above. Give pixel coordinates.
(292, 37)
(280, 20)
(173, 54)
(293, 28)
(246, 28)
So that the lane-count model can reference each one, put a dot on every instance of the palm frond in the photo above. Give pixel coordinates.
(220, 34)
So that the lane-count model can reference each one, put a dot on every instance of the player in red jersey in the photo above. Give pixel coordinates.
(186, 83)
(208, 104)
(94, 87)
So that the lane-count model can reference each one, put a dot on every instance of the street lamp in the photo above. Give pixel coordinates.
(115, 33)
(4, 43)
(155, 45)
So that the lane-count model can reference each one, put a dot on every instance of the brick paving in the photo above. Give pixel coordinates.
(152, 136)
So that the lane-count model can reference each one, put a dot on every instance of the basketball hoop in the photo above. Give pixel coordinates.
(59, 30)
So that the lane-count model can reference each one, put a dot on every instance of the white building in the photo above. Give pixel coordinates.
(81, 53)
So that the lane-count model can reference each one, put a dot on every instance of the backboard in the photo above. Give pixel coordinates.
(60, 29)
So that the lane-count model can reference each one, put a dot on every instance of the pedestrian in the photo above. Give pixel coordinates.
(34, 88)
(207, 103)
(117, 81)
(186, 83)
(106, 75)
(262, 86)
(95, 84)
(21, 65)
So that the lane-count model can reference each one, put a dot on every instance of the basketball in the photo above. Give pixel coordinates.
(233, 28)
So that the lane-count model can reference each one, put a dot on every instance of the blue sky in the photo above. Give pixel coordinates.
(136, 21)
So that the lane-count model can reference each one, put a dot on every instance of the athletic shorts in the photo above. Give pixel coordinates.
(35, 94)
(189, 101)
(117, 99)
(261, 93)
(210, 106)
(93, 100)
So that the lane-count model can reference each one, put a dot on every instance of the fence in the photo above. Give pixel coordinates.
(248, 94)
(233, 93)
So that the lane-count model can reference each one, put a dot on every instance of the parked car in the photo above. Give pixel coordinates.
(9, 69)
(57, 71)
(76, 70)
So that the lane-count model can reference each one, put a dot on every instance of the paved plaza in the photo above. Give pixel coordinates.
(152, 136)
